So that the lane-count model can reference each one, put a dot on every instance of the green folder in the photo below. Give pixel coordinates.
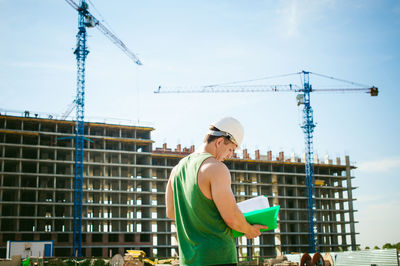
(267, 217)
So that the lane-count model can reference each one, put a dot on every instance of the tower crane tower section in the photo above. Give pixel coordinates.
(85, 20)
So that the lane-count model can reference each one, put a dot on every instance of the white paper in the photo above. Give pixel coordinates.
(253, 204)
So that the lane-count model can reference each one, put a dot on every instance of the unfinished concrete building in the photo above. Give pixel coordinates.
(124, 185)
(282, 180)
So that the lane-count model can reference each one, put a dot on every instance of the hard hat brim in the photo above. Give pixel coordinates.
(224, 134)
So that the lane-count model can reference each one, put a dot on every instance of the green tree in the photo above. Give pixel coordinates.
(367, 247)
(398, 246)
(376, 247)
(387, 245)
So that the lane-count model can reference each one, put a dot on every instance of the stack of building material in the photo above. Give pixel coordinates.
(279, 261)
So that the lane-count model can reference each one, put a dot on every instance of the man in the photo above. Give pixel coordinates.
(200, 200)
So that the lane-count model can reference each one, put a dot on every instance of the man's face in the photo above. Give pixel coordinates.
(224, 151)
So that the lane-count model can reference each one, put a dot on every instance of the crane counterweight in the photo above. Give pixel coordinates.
(373, 91)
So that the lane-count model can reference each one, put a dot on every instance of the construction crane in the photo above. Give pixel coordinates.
(85, 20)
(69, 110)
(303, 98)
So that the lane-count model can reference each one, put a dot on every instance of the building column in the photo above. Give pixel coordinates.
(278, 247)
(350, 200)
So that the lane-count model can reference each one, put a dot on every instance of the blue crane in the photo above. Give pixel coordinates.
(308, 123)
(85, 20)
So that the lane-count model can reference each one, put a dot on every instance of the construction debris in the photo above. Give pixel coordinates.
(138, 258)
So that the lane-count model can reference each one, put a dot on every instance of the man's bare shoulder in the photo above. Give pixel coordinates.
(213, 166)
(173, 171)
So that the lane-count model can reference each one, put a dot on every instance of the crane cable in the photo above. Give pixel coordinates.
(249, 80)
(286, 75)
(342, 80)
(102, 18)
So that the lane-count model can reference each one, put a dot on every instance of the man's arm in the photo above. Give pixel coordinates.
(169, 196)
(224, 199)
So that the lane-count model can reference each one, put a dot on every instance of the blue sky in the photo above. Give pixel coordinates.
(191, 43)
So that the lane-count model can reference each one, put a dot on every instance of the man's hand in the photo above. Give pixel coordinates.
(255, 231)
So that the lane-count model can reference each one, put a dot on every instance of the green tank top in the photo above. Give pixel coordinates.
(203, 236)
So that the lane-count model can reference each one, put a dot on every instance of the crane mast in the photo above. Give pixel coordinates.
(81, 52)
(308, 128)
(85, 20)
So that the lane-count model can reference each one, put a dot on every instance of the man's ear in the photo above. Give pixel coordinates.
(218, 141)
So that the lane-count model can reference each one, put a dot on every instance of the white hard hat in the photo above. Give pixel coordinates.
(229, 127)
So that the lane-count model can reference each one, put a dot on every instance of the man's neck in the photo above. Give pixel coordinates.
(207, 147)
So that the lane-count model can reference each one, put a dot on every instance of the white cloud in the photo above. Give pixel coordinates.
(289, 19)
(378, 223)
(369, 199)
(296, 14)
(383, 165)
